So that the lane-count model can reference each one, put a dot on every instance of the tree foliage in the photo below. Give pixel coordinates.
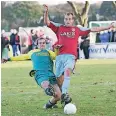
(108, 10)
(21, 13)
(28, 13)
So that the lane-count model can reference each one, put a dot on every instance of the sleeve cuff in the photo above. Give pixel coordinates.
(9, 59)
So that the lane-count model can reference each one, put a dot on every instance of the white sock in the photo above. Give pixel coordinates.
(65, 85)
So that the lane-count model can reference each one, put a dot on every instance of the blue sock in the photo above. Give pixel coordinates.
(65, 85)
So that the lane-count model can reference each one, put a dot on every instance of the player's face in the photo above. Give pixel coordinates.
(68, 20)
(42, 44)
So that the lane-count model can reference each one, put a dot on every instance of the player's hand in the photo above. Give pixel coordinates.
(45, 8)
(32, 73)
(58, 46)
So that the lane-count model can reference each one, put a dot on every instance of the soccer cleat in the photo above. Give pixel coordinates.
(50, 91)
(65, 99)
(50, 105)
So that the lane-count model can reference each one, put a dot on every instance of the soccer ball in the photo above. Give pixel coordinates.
(70, 109)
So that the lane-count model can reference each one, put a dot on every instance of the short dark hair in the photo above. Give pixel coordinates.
(70, 13)
(40, 39)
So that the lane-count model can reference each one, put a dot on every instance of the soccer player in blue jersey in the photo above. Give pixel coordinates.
(42, 61)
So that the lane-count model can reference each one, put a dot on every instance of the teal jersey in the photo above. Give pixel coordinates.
(41, 60)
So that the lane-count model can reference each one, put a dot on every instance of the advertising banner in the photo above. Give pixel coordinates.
(102, 50)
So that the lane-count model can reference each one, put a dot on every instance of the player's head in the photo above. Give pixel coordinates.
(69, 19)
(41, 43)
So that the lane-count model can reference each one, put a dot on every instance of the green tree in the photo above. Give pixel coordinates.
(29, 11)
(108, 10)
(21, 13)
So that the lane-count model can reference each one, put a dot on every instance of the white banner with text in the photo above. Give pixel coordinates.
(102, 50)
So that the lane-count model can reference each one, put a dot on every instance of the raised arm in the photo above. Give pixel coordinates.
(46, 18)
(98, 29)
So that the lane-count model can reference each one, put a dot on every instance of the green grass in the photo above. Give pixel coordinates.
(93, 90)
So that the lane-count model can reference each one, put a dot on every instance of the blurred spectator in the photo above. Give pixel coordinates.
(4, 44)
(48, 43)
(104, 36)
(17, 43)
(111, 35)
(114, 35)
(30, 40)
(12, 42)
(34, 37)
(85, 46)
(77, 51)
(97, 38)
(40, 33)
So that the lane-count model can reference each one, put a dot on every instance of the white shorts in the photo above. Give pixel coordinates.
(63, 62)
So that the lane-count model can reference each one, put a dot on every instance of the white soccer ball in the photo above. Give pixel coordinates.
(70, 109)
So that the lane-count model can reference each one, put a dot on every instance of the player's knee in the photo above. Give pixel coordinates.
(67, 72)
(45, 84)
(58, 95)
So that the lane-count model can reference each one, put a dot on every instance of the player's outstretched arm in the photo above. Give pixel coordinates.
(46, 18)
(98, 29)
(21, 57)
(17, 58)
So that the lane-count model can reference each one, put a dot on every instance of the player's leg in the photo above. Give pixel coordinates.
(49, 90)
(13, 49)
(68, 62)
(65, 98)
(59, 70)
(42, 80)
(57, 90)
(60, 81)
(53, 101)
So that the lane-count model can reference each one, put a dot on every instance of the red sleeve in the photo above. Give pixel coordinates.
(53, 27)
(84, 33)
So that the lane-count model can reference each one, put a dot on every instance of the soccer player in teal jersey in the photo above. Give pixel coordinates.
(42, 61)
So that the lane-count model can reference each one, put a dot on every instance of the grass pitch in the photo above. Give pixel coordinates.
(93, 90)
